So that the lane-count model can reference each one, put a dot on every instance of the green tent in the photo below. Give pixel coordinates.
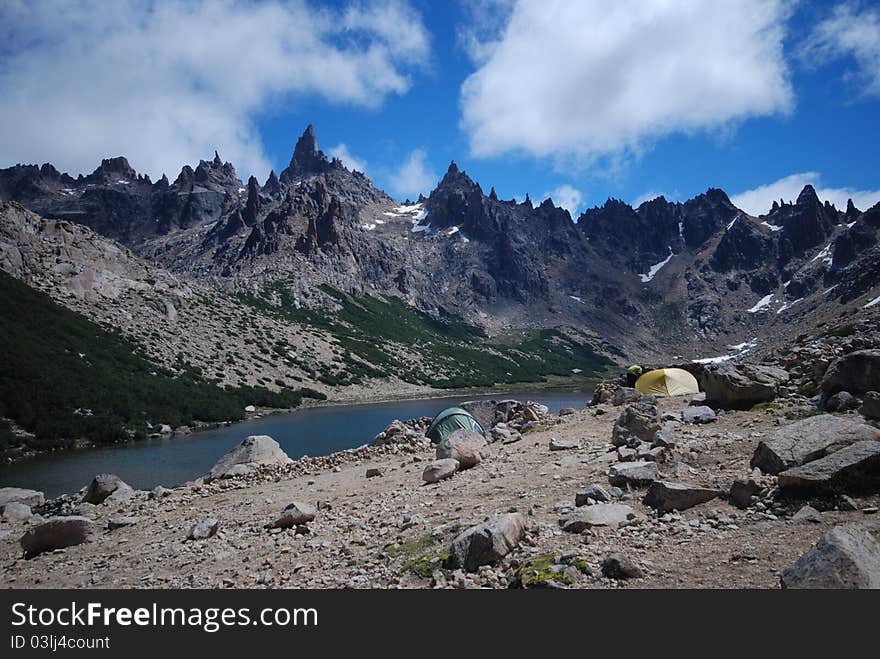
(450, 420)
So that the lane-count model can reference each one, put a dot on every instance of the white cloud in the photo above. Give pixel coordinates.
(850, 31)
(167, 83)
(758, 201)
(414, 176)
(352, 162)
(567, 197)
(592, 79)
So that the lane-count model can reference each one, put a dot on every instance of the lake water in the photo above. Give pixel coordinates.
(169, 462)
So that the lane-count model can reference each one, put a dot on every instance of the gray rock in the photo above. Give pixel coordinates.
(641, 420)
(848, 556)
(465, 446)
(842, 401)
(698, 414)
(857, 372)
(567, 411)
(855, 468)
(664, 438)
(809, 439)
(439, 470)
(483, 411)
(295, 514)
(58, 533)
(204, 529)
(159, 492)
(121, 522)
(594, 492)
(500, 432)
(633, 473)
(665, 496)
(16, 512)
(618, 566)
(487, 543)
(625, 395)
(31, 498)
(602, 514)
(104, 485)
(625, 454)
(742, 491)
(563, 444)
(870, 408)
(807, 514)
(254, 452)
(374, 472)
(740, 386)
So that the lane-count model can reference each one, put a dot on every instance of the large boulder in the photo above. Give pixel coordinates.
(858, 373)
(848, 556)
(640, 420)
(855, 468)
(103, 486)
(809, 439)
(466, 446)
(58, 533)
(665, 496)
(483, 411)
(30, 498)
(487, 543)
(601, 514)
(254, 452)
(439, 470)
(740, 386)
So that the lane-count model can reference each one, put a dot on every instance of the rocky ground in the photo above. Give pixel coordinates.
(365, 519)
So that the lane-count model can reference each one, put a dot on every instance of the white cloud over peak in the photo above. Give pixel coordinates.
(851, 30)
(567, 197)
(592, 79)
(352, 162)
(165, 83)
(758, 201)
(414, 176)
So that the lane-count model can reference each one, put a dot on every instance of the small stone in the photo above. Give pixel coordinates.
(204, 529)
(633, 473)
(807, 514)
(618, 566)
(294, 514)
(373, 472)
(591, 492)
(563, 444)
(698, 414)
(120, 522)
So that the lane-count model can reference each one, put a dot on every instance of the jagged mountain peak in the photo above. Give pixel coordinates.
(307, 159)
(808, 196)
(117, 166)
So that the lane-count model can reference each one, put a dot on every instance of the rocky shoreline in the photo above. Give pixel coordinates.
(613, 495)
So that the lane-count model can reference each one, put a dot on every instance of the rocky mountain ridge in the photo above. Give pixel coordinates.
(698, 279)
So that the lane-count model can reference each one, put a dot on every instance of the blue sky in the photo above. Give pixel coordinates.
(582, 100)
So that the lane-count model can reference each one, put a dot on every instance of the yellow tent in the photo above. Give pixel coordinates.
(668, 382)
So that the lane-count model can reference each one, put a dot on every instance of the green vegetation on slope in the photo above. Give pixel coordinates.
(62, 378)
(372, 332)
